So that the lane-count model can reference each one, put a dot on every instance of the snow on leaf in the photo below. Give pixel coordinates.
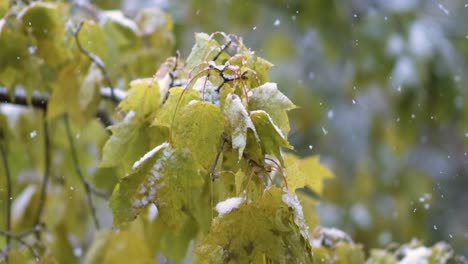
(268, 98)
(149, 155)
(237, 122)
(307, 172)
(419, 255)
(118, 17)
(207, 90)
(143, 98)
(228, 205)
(261, 230)
(198, 127)
(271, 137)
(137, 189)
(293, 202)
(179, 180)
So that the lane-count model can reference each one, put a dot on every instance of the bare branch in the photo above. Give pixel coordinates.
(85, 183)
(94, 58)
(45, 178)
(19, 239)
(40, 101)
(8, 196)
(215, 163)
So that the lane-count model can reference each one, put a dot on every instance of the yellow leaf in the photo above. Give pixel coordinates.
(308, 172)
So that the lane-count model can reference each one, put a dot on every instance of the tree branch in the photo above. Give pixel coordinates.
(19, 238)
(45, 179)
(8, 197)
(86, 184)
(40, 101)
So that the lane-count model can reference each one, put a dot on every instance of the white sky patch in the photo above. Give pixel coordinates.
(228, 205)
(404, 72)
(420, 42)
(417, 255)
(149, 155)
(399, 5)
(395, 45)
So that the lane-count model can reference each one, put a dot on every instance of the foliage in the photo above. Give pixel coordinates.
(381, 87)
(195, 163)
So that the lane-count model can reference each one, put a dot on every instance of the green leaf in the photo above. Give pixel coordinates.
(65, 95)
(42, 19)
(378, 256)
(14, 44)
(271, 137)
(262, 67)
(122, 31)
(268, 98)
(166, 113)
(93, 39)
(144, 98)
(178, 188)
(136, 190)
(255, 232)
(129, 141)
(120, 247)
(237, 122)
(307, 172)
(347, 253)
(201, 51)
(198, 127)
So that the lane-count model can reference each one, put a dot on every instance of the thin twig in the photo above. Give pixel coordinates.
(224, 47)
(19, 238)
(171, 73)
(215, 163)
(94, 58)
(45, 178)
(85, 183)
(8, 196)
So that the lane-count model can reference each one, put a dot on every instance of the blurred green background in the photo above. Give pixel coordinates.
(382, 87)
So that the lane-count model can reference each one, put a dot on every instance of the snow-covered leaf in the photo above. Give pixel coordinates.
(271, 137)
(237, 122)
(268, 98)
